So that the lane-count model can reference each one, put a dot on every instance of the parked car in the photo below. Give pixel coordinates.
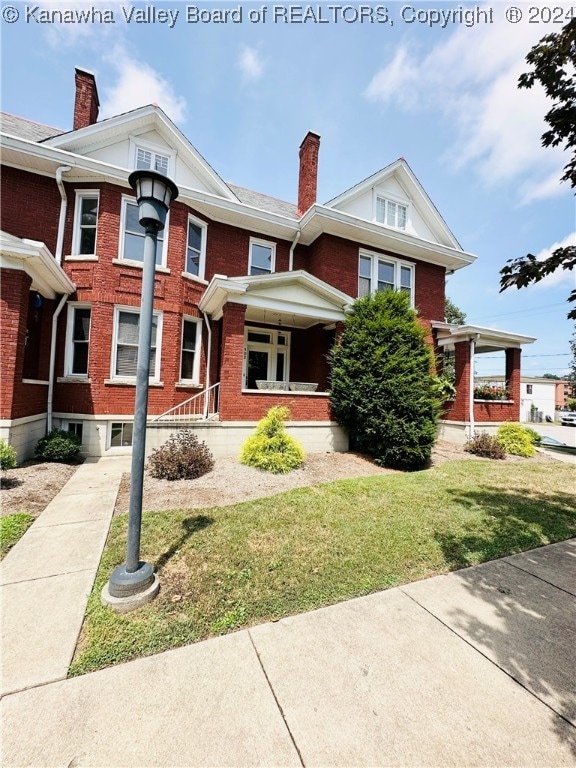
(568, 419)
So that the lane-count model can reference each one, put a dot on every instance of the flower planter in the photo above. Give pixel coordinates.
(302, 386)
(272, 385)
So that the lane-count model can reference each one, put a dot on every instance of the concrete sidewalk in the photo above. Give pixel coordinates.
(475, 668)
(45, 580)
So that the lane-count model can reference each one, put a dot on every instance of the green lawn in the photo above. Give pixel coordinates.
(231, 567)
(12, 528)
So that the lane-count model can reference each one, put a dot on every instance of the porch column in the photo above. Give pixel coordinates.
(513, 366)
(460, 409)
(15, 291)
(233, 321)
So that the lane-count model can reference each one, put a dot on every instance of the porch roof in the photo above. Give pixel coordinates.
(296, 299)
(487, 339)
(48, 277)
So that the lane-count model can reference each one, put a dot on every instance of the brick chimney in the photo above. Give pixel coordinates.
(86, 102)
(308, 177)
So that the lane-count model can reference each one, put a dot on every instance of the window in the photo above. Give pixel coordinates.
(195, 248)
(391, 213)
(132, 235)
(125, 352)
(190, 357)
(121, 434)
(85, 223)
(528, 389)
(262, 257)
(77, 340)
(147, 159)
(266, 356)
(378, 273)
(75, 427)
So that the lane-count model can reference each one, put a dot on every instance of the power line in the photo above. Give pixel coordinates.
(519, 311)
(497, 357)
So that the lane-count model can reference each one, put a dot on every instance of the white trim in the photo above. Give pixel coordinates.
(398, 264)
(35, 381)
(34, 258)
(131, 200)
(265, 244)
(195, 380)
(131, 380)
(271, 348)
(155, 149)
(68, 349)
(79, 195)
(202, 262)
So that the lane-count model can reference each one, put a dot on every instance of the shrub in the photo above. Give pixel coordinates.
(182, 457)
(515, 439)
(271, 448)
(485, 445)
(7, 456)
(382, 388)
(535, 437)
(58, 445)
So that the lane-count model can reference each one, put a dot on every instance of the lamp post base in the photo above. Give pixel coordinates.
(126, 591)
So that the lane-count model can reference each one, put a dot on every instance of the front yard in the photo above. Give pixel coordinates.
(222, 568)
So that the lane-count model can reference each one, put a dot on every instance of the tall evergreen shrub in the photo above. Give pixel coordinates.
(382, 386)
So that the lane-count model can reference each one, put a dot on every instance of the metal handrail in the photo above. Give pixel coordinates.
(201, 406)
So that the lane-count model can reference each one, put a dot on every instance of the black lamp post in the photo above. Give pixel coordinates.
(134, 582)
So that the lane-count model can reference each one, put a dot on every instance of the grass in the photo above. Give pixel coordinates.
(12, 528)
(231, 567)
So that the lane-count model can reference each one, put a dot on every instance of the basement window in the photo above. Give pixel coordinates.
(121, 434)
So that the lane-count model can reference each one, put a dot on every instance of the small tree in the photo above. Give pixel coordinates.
(7, 456)
(382, 383)
(271, 448)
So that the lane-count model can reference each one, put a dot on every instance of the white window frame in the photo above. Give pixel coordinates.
(272, 348)
(155, 149)
(397, 263)
(389, 198)
(130, 200)
(197, 352)
(69, 349)
(155, 374)
(202, 265)
(80, 194)
(264, 244)
(109, 445)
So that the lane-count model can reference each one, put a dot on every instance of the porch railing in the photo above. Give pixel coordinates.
(200, 407)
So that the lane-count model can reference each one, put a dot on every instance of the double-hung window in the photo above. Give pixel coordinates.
(85, 223)
(391, 213)
(77, 340)
(262, 257)
(195, 248)
(190, 353)
(125, 348)
(266, 356)
(378, 273)
(132, 235)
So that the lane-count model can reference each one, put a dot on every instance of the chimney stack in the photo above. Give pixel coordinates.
(308, 176)
(86, 101)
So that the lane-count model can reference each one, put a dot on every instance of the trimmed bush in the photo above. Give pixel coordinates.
(7, 456)
(58, 445)
(515, 439)
(534, 436)
(271, 448)
(182, 457)
(382, 387)
(485, 445)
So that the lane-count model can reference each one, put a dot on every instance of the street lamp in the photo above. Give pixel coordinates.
(134, 583)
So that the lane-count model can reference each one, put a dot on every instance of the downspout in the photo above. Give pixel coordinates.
(471, 404)
(208, 358)
(63, 206)
(55, 316)
(292, 247)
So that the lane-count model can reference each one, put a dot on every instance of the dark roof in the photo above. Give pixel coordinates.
(265, 202)
(27, 129)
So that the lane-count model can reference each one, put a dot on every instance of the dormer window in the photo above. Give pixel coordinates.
(146, 159)
(391, 213)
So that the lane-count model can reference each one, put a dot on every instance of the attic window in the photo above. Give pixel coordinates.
(147, 159)
(390, 213)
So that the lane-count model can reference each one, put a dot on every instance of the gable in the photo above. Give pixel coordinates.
(115, 142)
(398, 184)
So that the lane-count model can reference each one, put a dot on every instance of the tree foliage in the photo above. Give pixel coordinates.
(572, 374)
(382, 385)
(553, 62)
(452, 313)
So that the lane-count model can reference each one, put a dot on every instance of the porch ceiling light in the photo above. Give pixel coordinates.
(154, 194)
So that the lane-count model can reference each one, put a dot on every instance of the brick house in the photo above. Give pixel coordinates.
(249, 294)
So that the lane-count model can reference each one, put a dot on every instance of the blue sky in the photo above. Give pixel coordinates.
(246, 93)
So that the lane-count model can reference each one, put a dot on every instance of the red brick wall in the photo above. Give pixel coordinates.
(496, 411)
(30, 206)
(459, 408)
(254, 405)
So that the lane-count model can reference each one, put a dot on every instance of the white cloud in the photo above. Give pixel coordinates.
(471, 77)
(560, 276)
(250, 63)
(138, 85)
